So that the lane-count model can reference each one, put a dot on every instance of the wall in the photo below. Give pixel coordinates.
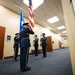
(69, 16)
(65, 42)
(55, 39)
(10, 20)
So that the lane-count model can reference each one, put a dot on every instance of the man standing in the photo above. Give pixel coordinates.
(43, 41)
(16, 46)
(25, 44)
(36, 45)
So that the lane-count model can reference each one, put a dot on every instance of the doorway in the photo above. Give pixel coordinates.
(59, 44)
(2, 37)
(49, 44)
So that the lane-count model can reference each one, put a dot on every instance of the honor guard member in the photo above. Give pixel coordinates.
(36, 45)
(25, 44)
(43, 44)
(16, 46)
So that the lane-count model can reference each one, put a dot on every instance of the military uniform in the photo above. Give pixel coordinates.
(16, 46)
(43, 42)
(24, 44)
(36, 46)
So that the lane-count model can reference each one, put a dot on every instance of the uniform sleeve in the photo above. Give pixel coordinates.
(41, 40)
(30, 31)
(14, 39)
(38, 39)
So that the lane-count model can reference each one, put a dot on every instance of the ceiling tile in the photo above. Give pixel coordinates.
(48, 9)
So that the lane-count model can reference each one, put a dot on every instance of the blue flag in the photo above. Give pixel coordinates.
(21, 20)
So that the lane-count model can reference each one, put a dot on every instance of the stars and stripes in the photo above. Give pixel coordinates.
(31, 15)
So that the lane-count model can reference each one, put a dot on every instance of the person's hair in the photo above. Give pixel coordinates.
(17, 34)
(43, 34)
(25, 24)
(35, 35)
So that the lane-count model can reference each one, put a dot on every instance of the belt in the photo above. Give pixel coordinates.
(16, 42)
(26, 38)
(43, 41)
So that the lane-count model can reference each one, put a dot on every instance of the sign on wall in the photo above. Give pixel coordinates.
(8, 38)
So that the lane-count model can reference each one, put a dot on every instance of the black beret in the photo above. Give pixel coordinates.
(17, 34)
(25, 24)
(35, 35)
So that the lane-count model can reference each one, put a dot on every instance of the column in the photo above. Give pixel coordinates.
(69, 17)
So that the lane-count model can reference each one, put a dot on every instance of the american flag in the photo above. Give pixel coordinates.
(31, 15)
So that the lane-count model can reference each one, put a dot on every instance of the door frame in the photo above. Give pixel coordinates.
(2, 39)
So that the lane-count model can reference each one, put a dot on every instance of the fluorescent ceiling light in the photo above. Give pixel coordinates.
(35, 3)
(64, 32)
(53, 19)
(61, 27)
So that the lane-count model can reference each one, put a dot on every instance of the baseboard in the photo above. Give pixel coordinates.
(9, 57)
(60, 48)
(32, 52)
(56, 49)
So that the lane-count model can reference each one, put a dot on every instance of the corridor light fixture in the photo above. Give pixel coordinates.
(53, 19)
(61, 27)
(36, 3)
(64, 32)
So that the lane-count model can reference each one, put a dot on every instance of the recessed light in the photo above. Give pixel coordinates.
(61, 27)
(64, 32)
(53, 19)
(35, 3)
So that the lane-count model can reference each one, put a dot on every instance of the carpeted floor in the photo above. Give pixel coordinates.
(56, 63)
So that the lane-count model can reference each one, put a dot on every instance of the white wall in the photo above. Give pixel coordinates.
(65, 42)
(69, 17)
(56, 38)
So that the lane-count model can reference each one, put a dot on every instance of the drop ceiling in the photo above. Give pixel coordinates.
(48, 9)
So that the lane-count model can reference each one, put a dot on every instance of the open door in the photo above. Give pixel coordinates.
(2, 36)
(49, 44)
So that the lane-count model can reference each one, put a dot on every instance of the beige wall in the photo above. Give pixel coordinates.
(65, 42)
(10, 20)
(69, 17)
(56, 39)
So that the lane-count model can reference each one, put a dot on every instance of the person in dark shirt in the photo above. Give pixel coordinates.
(16, 46)
(43, 44)
(25, 44)
(36, 44)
